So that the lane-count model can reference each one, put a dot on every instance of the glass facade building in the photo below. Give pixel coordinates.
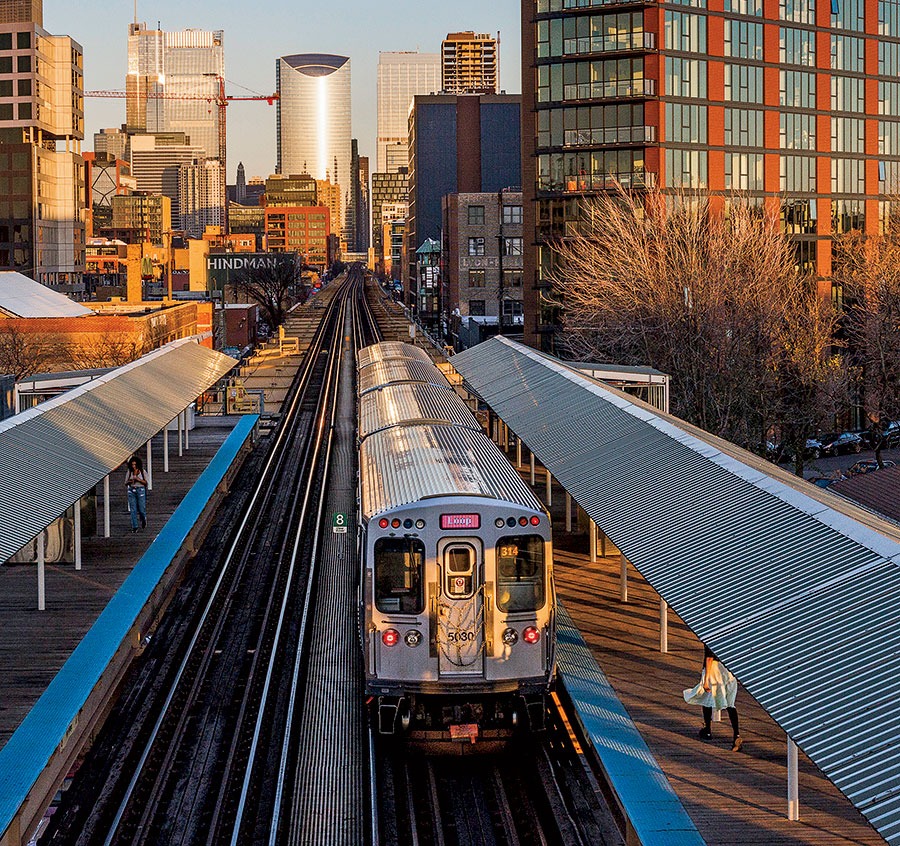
(313, 132)
(793, 103)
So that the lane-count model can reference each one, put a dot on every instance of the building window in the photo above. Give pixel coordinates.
(888, 58)
(512, 278)
(888, 138)
(6, 88)
(6, 64)
(744, 40)
(25, 111)
(798, 174)
(797, 89)
(889, 18)
(848, 53)
(5, 41)
(743, 128)
(476, 278)
(797, 46)
(848, 14)
(512, 246)
(476, 246)
(888, 98)
(512, 308)
(6, 111)
(848, 135)
(744, 7)
(848, 176)
(686, 168)
(798, 131)
(512, 215)
(685, 32)
(743, 172)
(743, 84)
(799, 11)
(686, 78)
(23, 40)
(23, 64)
(23, 87)
(476, 308)
(476, 215)
(685, 124)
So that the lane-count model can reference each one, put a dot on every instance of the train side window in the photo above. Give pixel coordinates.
(399, 575)
(520, 573)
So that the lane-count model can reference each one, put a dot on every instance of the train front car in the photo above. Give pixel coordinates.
(457, 601)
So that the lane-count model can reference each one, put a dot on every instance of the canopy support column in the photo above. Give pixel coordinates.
(593, 541)
(568, 512)
(166, 448)
(180, 436)
(106, 506)
(518, 453)
(150, 464)
(532, 470)
(623, 578)
(40, 571)
(77, 524)
(663, 625)
(187, 428)
(549, 489)
(793, 785)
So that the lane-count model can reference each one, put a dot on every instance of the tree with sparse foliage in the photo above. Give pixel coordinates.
(714, 300)
(867, 269)
(22, 353)
(272, 287)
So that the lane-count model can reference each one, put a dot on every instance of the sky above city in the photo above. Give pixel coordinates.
(257, 33)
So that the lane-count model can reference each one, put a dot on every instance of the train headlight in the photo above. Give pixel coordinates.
(531, 635)
(420, 524)
(413, 638)
(510, 636)
(390, 637)
(499, 522)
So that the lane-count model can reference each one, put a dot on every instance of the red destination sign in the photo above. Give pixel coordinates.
(460, 521)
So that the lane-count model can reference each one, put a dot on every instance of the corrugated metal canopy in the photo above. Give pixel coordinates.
(412, 402)
(53, 453)
(392, 370)
(23, 297)
(408, 463)
(794, 589)
(389, 349)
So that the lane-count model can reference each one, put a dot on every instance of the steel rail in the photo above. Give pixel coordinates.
(251, 518)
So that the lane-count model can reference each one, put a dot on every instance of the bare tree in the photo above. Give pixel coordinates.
(109, 350)
(713, 299)
(272, 287)
(22, 353)
(867, 268)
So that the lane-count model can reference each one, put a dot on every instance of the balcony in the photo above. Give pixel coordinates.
(631, 42)
(609, 136)
(586, 183)
(625, 89)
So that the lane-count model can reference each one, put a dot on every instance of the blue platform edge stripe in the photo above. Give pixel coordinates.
(648, 800)
(28, 751)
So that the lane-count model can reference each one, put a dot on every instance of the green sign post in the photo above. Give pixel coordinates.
(339, 523)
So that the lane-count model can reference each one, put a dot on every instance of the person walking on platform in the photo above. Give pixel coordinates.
(136, 489)
(717, 689)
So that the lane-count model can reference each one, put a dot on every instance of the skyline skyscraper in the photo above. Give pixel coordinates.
(313, 123)
(469, 63)
(401, 76)
(172, 81)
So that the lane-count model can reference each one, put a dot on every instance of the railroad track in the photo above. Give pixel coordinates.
(205, 758)
(538, 792)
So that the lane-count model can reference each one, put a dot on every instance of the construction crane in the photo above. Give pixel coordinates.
(221, 100)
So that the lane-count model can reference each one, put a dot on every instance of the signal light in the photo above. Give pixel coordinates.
(531, 635)
(535, 521)
(407, 523)
(509, 636)
(510, 521)
(413, 638)
(395, 523)
(390, 637)
(523, 521)
(383, 523)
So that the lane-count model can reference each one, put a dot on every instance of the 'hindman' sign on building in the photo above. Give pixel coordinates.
(223, 267)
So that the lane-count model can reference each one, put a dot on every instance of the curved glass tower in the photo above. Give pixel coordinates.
(314, 117)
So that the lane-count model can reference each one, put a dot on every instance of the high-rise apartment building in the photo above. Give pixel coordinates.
(389, 190)
(41, 128)
(200, 199)
(112, 143)
(795, 104)
(291, 190)
(332, 197)
(363, 206)
(299, 229)
(141, 217)
(313, 132)
(173, 83)
(469, 63)
(401, 76)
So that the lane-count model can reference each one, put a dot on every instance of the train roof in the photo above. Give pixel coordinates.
(390, 371)
(406, 403)
(405, 464)
(387, 350)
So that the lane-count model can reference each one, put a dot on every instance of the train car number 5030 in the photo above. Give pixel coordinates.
(460, 637)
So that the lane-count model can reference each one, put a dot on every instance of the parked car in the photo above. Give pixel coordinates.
(837, 444)
(891, 434)
(812, 449)
(868, 465)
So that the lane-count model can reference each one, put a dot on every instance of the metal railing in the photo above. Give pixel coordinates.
(597, 182)
(629, 41)
(610, 90)
(609, 135)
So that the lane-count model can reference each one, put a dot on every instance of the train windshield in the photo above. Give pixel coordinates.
(520, 573)
(399, 568)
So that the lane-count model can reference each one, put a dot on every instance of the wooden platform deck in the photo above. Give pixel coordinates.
(35, 644)
(733, 798)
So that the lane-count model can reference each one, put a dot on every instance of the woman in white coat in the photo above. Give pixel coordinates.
(717, 689)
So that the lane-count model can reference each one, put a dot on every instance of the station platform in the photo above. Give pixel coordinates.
(38, 648)
(732, 798)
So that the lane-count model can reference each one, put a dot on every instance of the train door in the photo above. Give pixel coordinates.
(460, 609)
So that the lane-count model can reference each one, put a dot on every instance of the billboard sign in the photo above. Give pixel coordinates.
(223, 267)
